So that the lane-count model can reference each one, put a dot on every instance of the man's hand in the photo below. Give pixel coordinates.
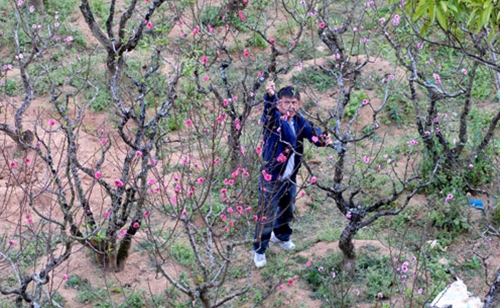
(326, 139)
(271, 88)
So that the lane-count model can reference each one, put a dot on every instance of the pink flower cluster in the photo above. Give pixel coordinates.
(395, 20)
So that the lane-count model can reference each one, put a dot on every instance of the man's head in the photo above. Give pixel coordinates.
(288, 101)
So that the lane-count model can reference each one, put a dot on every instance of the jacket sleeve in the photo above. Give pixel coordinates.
(313, 134)
(271, 118)
(269, 115)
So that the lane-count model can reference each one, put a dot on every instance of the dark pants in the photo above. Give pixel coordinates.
(276, 203)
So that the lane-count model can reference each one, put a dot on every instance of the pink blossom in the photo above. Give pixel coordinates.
(320, 269)
(281, 158)
(281, 287)
(272, 40)
(268, 177)
(97, 175)
(136, 225)
(204, 59)
(12, 242)
(223, 217)
(420, 291)
(138, 153)
(380, 295)
(322, 25)
(245, 53)
(264, 218)
(52, 122)
(356, 291)
(118, 183)
(189, 122)
(308, 263)
(315, 139)
(449, 197)
(230, 210)
(149, 25)
(290, 282)
(123, 232)
(464, 71)
(240, 14)
(12, 164)
(184, 213)
(173, 200)
(248, 208)
(258, 149)
(413, 142)
(313, 180)
(200, 180)
(365, 101)
(348, 215)
(65, 277)
(151, 181)
(146, 214)
(195, 30)
(366, 159)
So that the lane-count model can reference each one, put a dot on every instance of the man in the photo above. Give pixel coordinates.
(283, 145)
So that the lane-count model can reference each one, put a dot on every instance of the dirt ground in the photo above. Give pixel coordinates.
(140, 275)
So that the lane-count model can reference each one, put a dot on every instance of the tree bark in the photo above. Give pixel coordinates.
(347, 247)
(492, 299)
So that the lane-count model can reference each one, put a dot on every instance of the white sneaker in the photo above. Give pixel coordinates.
(259, 259)
(288, 245)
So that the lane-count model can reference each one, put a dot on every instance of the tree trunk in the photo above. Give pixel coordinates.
(347, 248)
(492, 299)
(234, 148)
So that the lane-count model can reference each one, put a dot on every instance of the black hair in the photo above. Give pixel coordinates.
(289, 92)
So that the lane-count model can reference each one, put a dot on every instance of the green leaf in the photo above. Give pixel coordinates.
(444, 8)
(424, 27)
(432, 13)
(421, 9)
(441, 19)
(486, 16)
(452, 7)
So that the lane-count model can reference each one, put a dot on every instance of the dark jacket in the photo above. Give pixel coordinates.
(279, 139)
